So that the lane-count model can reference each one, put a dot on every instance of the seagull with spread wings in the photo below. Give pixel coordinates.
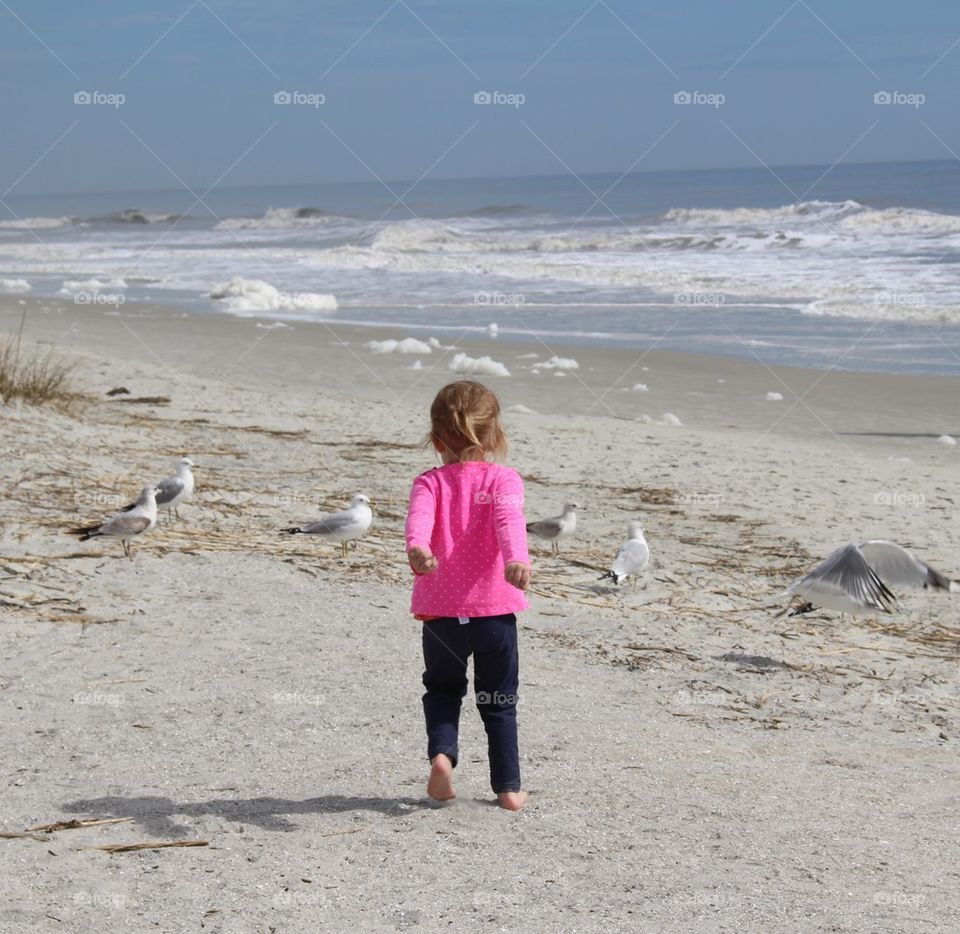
(857, 579)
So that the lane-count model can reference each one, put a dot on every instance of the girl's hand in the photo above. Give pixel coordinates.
(421, 560)
(517, 574)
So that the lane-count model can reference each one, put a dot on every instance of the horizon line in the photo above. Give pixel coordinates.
(490, 178)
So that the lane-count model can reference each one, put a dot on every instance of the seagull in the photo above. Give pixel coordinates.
(139, 518)
(854, 579)
(552, 530)
(632, 558)
(172, 491)
(342, 527)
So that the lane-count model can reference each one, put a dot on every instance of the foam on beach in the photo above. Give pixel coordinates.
(407, 345)
(14, 285)
(478, 366)
(669, 420)
(557, 363)
(91, 285)
(252, 295)
(774, 397)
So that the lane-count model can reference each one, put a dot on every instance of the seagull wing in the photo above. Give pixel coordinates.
(845, 581)
(331, 525)
(124, 525)
(168, 490)
(895, 565)
(545, 528)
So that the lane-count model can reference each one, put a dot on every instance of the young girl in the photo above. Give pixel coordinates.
(467, 545)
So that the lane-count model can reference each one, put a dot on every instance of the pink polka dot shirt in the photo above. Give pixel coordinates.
(470, 516)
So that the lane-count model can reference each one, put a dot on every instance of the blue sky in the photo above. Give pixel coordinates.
(398, 81)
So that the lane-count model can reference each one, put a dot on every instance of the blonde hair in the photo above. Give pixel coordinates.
(465, 419)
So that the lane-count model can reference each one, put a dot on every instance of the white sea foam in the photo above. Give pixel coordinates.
(641, 387)
(14, 285)
(407, 345)
(277, 219)
(736, 217)
(670, 419)
(35, 223)
(557, 363)
(520, 409)
(947, 440)
(253, 295)
(774, 397)
(478, 366)
(91, 285)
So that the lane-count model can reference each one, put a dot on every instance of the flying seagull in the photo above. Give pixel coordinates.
(552, 530)
(632, 558)
(342, 527)
(128, 524)
(855, 579)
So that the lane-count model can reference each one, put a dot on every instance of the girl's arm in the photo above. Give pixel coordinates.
(509, 521)
(419, 526)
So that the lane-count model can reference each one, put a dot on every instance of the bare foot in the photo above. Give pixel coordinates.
(440, 784)
(512, 800)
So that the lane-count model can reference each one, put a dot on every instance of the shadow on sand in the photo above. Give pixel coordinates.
(156, 815)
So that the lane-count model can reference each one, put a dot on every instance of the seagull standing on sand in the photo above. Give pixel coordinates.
(177, 489)
(552, 530)
(632, 558)
(126, 525)
(854, 579)
(342, 527)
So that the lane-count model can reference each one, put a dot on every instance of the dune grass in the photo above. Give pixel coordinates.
(37, 377)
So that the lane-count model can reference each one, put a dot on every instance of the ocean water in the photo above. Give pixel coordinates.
(854, 267)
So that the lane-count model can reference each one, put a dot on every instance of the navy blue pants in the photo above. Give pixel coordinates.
(447, 644)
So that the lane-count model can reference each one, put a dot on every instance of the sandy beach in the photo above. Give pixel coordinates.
(694, 762)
